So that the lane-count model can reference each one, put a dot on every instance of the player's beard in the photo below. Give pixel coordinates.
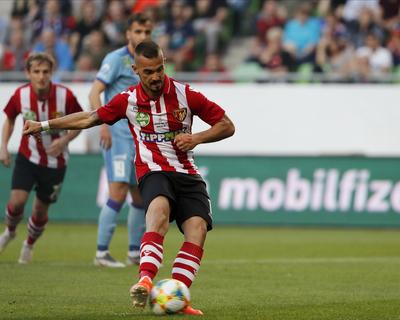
(156, 87)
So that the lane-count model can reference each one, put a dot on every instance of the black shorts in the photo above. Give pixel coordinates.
(187, 195)
(47, 181)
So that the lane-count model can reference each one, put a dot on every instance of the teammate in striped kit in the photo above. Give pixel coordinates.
(160, 112)
(41, 160)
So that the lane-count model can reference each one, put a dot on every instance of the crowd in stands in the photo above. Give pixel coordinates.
(353, 40)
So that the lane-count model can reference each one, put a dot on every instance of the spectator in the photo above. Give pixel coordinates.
(84, 63)
(155, 14)
(333, 27)
(178, 41)
(372, 60)
(352, 9)
(334, 56)
(301, 34)
(15, 23)
(21, 8)
(58, 49)
(143, 5)
(271, 16)
(51, 17)
(326, 7)
(95, 47)
(365, 24)
(3, 29)
(390, 13)
(273, 56)
(26, 14)
(214, 70)
(115, 23)
(394, 46)
(210, 17)
(15, 53)
(86, 24)
(238, 10)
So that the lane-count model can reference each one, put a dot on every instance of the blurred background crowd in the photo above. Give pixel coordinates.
(221, 40)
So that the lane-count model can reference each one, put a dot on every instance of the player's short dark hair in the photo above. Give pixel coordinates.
(40, 57)
(139, 18)
(148, 49)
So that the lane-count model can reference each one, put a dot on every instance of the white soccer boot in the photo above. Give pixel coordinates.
(5, 238)
(106, 260)
(26, 253)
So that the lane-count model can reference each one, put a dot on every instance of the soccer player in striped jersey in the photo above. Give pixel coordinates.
(41, 160)
(114, 76)
(160, 112)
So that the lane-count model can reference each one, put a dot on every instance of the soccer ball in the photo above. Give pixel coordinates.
(169, 296)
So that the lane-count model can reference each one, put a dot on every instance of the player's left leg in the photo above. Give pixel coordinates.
(36, 225)
(188, 259)
(194, 220)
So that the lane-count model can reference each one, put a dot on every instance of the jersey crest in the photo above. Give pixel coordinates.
(180, 114)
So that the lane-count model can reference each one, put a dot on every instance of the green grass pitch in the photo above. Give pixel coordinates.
(247, 273)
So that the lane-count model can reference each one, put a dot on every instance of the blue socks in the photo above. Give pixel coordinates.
(107, 224)
(136, 226)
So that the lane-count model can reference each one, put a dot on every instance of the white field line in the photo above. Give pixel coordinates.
(310, 260)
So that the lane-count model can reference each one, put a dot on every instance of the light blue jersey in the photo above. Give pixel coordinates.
(117, 74)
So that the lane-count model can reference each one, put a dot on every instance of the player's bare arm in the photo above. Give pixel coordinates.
(8, 128)
(219, 131)
(74, 121)
(95, 102)
(58, 145)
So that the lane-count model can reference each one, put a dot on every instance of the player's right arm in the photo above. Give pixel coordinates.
(97, 89)
(6, 132)
(73, 121)
(110, 113)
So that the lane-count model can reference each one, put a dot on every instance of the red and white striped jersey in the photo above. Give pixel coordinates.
(59, 102)
(155, 123)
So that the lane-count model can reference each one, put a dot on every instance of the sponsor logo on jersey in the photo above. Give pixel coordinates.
(126, 61)
(160, 137)
(143, 118)
(30, 115)
(180, 114)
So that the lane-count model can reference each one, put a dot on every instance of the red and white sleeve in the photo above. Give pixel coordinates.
(114, 110)
(205, 109)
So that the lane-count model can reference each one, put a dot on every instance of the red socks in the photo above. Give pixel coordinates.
(187, 263)
(35, 228)
(151, 254)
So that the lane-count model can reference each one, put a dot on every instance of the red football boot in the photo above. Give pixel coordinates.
(140, 292)
(193, 312)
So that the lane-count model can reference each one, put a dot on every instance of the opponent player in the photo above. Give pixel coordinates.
(114, 76)
(160, 111)
(41, 160)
